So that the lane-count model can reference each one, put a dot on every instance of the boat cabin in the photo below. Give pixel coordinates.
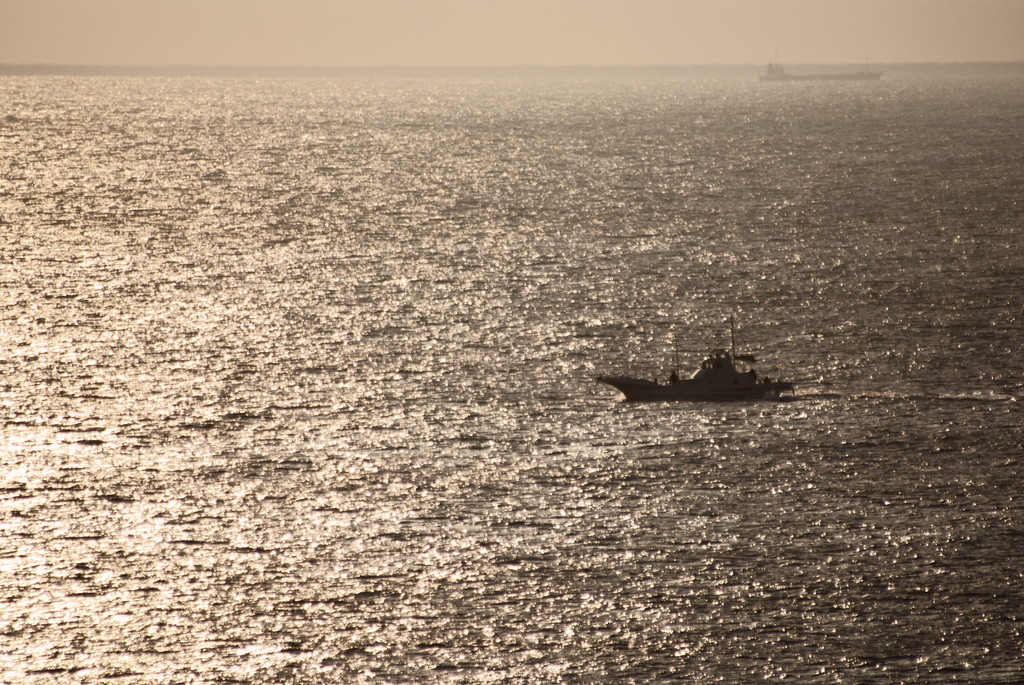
(719, 359)
(719, 369)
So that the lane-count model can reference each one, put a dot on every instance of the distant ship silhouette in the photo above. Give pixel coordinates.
(776, 72)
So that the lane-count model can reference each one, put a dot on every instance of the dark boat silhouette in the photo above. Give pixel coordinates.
(718, 379)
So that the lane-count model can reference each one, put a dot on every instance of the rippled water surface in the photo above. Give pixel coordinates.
(297, 379)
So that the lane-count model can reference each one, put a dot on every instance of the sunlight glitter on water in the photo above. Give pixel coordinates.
(299, 382)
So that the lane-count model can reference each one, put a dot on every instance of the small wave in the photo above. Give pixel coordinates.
(116, 498)
(243, 549)
(209, 424)
(785, 399)
(973, 397)
(245, 416)
(80, 538)
(967, 397)
(820, 396)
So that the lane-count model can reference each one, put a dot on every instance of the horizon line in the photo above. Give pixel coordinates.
(57, 66)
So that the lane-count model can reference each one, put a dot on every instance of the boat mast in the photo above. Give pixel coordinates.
(732, 329)
(675, 353)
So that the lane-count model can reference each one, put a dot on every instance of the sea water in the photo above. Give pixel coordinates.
(297, 378)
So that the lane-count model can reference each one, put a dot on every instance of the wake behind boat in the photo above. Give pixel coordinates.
(718, 379)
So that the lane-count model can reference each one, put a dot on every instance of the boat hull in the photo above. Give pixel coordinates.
(641, 390)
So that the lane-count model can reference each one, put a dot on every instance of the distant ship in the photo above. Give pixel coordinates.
(717, 379)
(776, 72)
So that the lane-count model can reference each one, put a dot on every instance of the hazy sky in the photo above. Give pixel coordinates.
(506, 32)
